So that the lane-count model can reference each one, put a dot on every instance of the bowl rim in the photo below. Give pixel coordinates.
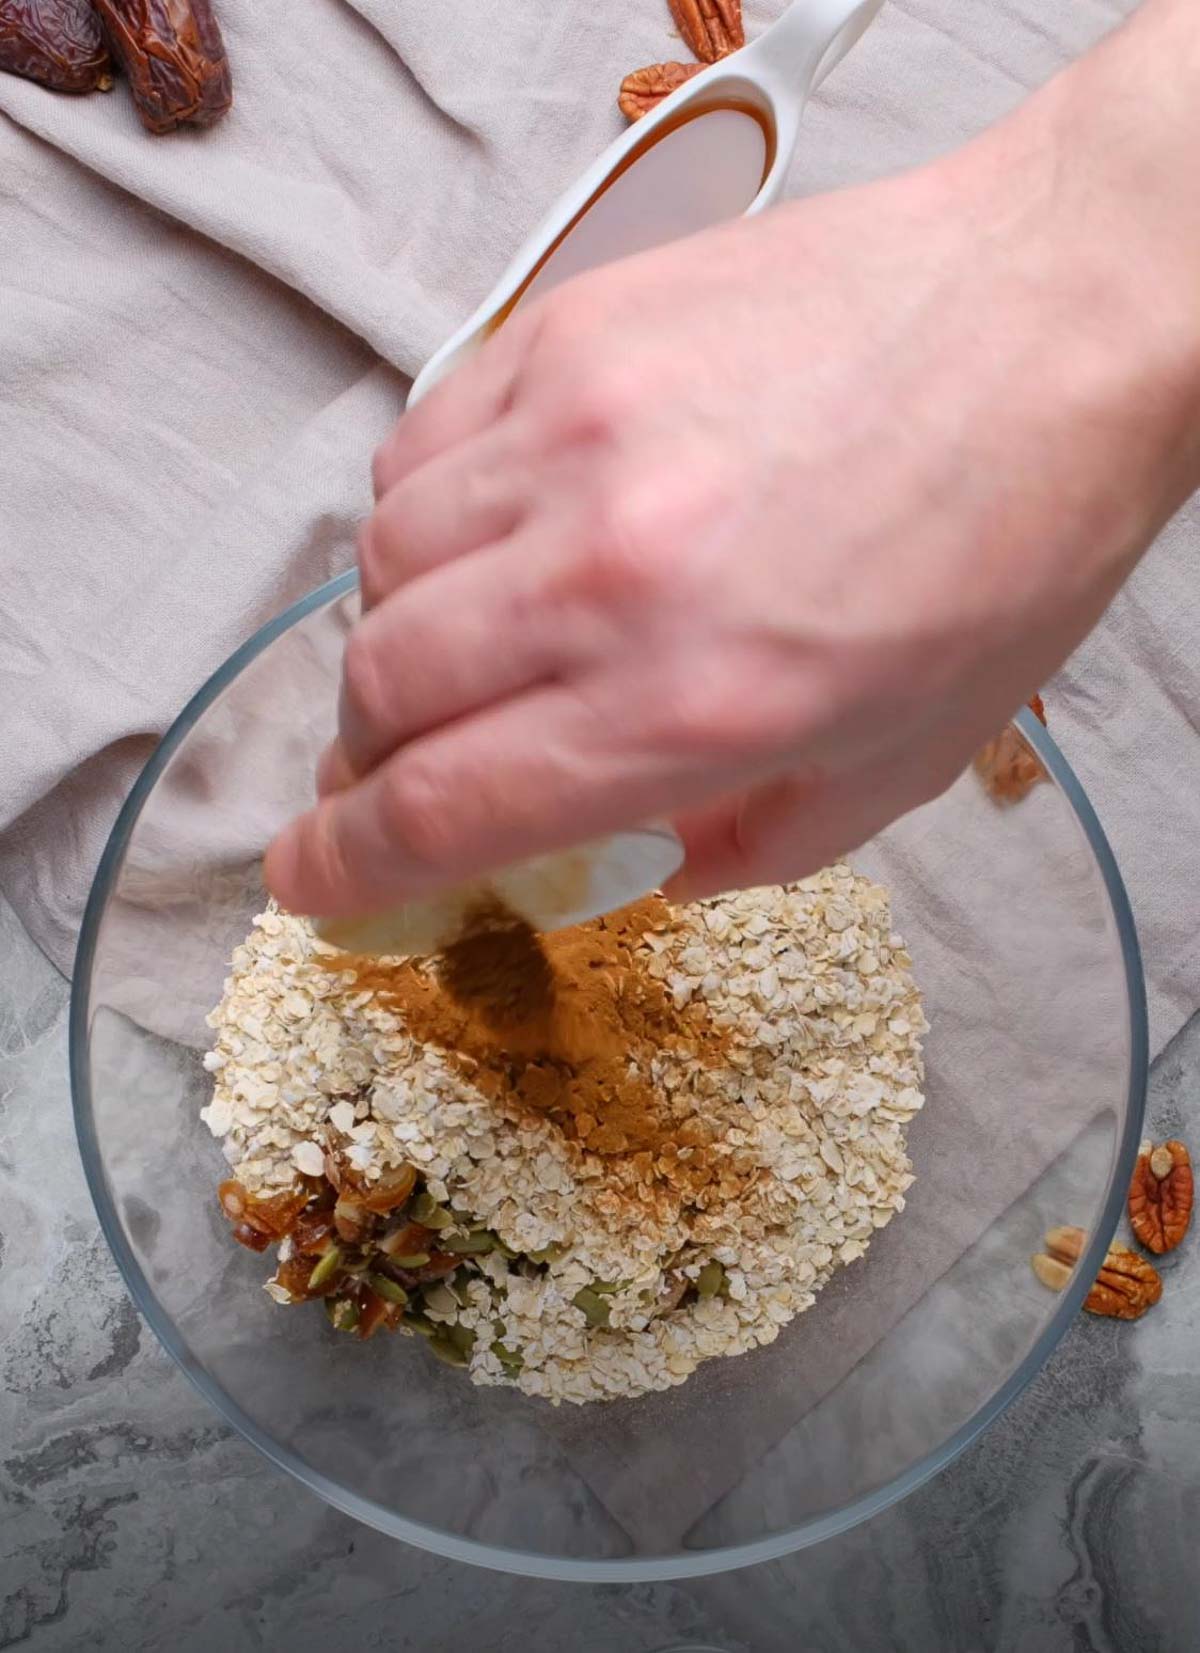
(528, 1564)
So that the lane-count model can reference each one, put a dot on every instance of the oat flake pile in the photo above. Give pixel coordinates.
(580, 1163)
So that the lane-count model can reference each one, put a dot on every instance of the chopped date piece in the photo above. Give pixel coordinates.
(437, 1268)
(250, 1237)
(274, 1216)
(175, 59)
(406, 1241)
(313, 1231)
(374, 1312)
(277, 1215)
(392, 1189)
(303, 1277)
(58, 43)
(233, 1198)
(351, 1219)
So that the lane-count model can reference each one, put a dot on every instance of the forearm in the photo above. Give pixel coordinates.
(1135, 103)
(1130, 122)
(1109, 154)
(905, 442)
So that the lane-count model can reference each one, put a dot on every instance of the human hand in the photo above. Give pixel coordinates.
(765, 531)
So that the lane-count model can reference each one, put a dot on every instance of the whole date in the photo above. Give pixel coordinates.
(175, 59)
(58, 43)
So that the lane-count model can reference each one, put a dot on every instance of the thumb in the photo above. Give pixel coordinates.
(798, 823)
(745, 840)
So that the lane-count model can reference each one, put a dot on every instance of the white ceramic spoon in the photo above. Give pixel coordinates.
(718, 148)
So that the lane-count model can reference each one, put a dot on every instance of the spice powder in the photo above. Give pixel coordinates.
(564, 1024)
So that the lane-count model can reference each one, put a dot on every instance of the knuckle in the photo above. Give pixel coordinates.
(586, 397)
(370, 562)
(631, 554)
(418, 817)
(382, 563)
(714, 712)
(362, 684)
(702, 711)
(381, 469)
(389, 459)
(655, 536)
(602, 397)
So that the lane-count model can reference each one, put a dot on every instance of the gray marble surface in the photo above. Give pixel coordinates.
(134, 1520)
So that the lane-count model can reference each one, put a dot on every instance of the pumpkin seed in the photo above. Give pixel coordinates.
(462, 1337)
(595, 1310)
(418, 1323)
(447, 1352)
(426, 1211)
(327, 1266)
(440, 1299)
(342, 1313)
(710, 1279)
(511, 1359)
(548, 1254)
(411, 1259)
(458, 1283)
(476, 1244)
(607, 1287)
(387, 1289)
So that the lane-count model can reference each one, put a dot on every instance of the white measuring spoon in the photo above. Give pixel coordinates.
(718, 148)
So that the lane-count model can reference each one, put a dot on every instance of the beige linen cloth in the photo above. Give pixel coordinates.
(202, 337)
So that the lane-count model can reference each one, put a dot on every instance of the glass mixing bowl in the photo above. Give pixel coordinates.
(1024, 946)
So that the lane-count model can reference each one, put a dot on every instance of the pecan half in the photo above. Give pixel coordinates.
(711, 28)
(1160, 1196)
(1007, 765)
(1053, 1273)
(1066, 1244)
(1126, 1286)
(645, 89)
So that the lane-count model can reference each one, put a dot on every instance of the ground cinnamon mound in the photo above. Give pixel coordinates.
(567, 1024)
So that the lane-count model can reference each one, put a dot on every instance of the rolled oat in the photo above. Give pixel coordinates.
(605, 1275)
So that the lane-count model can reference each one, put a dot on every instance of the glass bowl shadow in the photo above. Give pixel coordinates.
(1024, 945)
